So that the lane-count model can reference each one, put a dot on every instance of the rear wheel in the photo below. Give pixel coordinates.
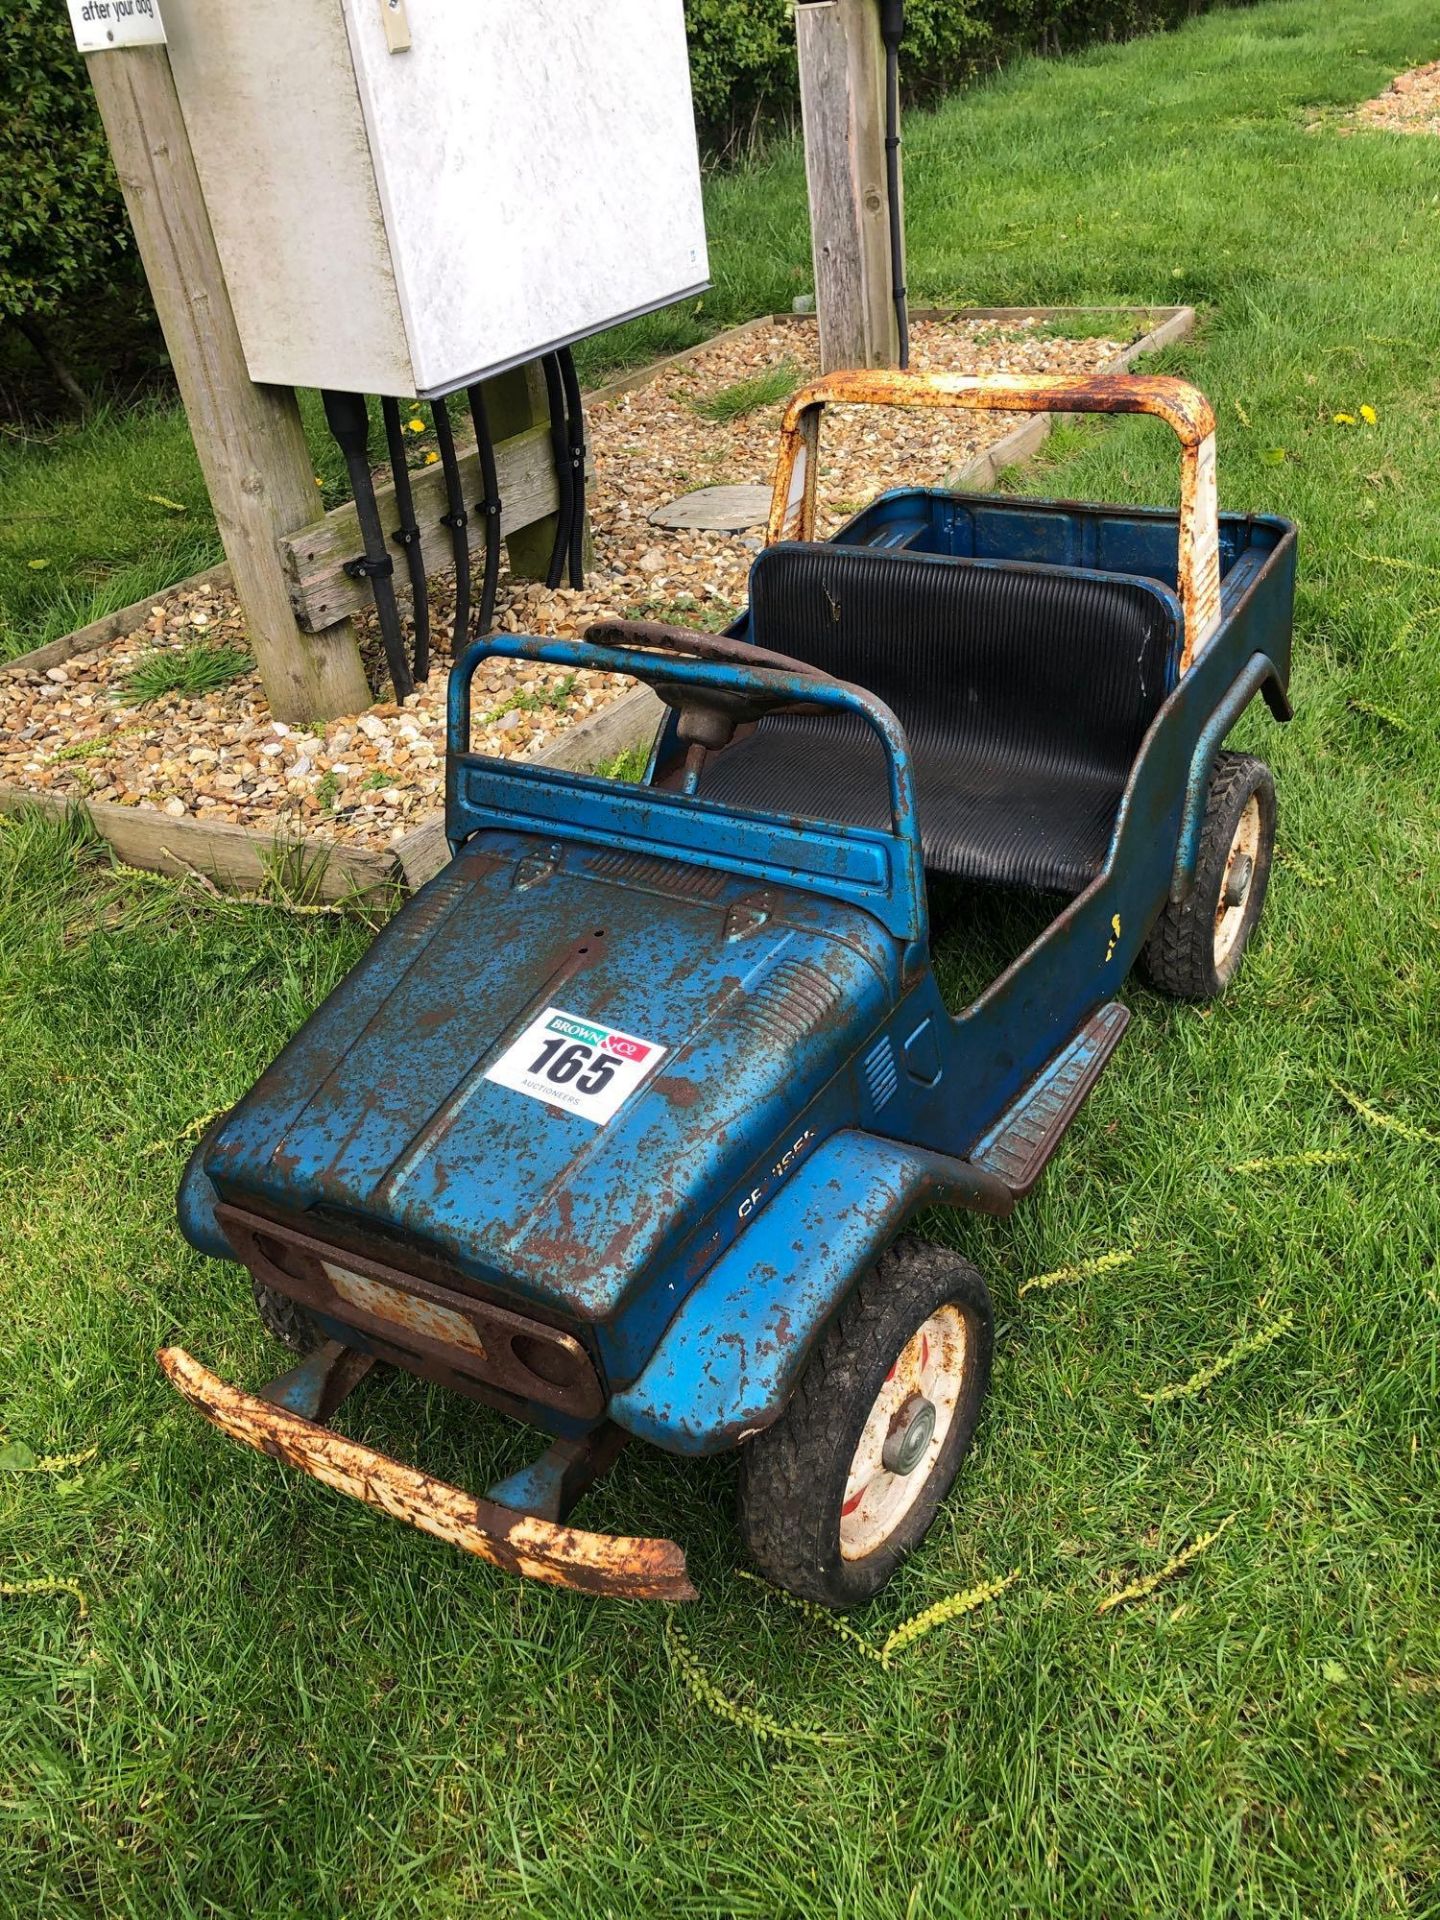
(847, 1482)
(1195, 949)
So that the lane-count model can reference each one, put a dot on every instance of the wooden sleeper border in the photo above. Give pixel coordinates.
(246, 859)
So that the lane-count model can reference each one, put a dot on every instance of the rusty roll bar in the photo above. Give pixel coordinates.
(1181, 406)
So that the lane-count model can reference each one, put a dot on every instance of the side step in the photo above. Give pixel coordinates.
(1018, 1148)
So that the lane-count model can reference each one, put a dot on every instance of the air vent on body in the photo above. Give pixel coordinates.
(788, 1004)
(660, 876)
(881, 1076)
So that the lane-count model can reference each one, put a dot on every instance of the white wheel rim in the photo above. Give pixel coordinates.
(933, 1365)
(1238, 880)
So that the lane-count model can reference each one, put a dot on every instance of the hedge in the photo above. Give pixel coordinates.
(62, 222)
(742, 52)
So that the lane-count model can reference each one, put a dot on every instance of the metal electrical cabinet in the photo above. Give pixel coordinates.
(408, 195)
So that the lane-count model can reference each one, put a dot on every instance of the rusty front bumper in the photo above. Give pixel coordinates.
(597, 1563)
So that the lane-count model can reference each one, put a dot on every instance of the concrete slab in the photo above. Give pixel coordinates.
(716, 510)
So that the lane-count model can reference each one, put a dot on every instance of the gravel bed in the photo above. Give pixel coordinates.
(1410, 104)
(74, 730)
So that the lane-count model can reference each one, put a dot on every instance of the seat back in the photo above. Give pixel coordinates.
(1023, 663)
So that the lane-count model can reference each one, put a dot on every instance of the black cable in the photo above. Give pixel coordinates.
(457, 520)
(564, 473)
(488, 504)
(349, 421)
(407, 534)
(892, 31)
(575, 438)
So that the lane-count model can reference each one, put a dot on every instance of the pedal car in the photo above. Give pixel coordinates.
(620, 1124)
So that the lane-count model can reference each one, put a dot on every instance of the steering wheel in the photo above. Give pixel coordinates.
(708, 716)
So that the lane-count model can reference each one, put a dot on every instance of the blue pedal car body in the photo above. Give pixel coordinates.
(620, 1110)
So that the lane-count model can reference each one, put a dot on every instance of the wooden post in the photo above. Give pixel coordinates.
(517, 402)
(252, 449)
(842, 102)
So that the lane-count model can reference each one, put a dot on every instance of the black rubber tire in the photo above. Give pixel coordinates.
(792, 1476)
(1179, 956)
(284, 1320)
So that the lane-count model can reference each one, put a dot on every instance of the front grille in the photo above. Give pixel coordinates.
(424, 1324)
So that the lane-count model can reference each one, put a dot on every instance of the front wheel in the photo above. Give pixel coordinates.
(285, 1320)
(848, 1480)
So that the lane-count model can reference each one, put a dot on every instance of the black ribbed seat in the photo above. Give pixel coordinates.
(1024, 692)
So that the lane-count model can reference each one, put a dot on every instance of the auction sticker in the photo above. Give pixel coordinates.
(579, 1065)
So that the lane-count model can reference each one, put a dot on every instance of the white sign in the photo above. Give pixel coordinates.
(101, 24)
(581, 1066)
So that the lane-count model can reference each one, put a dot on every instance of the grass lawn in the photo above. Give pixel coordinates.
(279, 1704)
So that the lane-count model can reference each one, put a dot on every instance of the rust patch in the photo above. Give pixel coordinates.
(612, 1565)
(679, 1091)
(407, 1310)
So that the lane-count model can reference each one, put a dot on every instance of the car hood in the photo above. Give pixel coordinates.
(382, 1110)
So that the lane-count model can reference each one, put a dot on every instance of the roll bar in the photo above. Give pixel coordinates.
(1182, 406)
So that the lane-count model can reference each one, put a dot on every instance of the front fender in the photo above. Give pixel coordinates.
(729, 1360)
(196, 1202)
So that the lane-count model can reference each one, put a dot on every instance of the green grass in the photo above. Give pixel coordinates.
(629, 765)
(280, 1704)
(81, 530)
(747, 396)
(1075, 326)
(191, 671)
